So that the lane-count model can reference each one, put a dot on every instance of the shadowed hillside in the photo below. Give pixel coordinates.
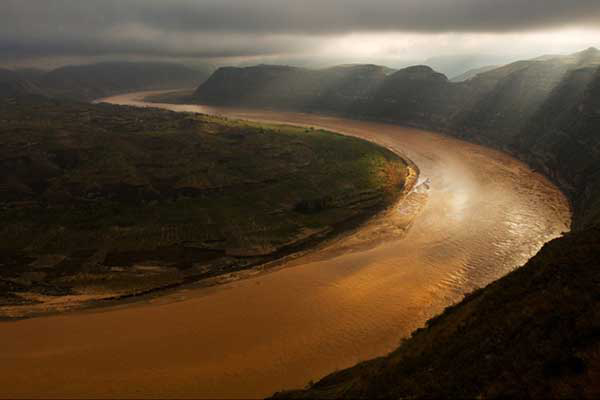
(532, 334)
(14, 84)
(338, 88)
(93, 81)
(472, 73)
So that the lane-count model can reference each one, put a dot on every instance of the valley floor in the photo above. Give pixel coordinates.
(475, 215)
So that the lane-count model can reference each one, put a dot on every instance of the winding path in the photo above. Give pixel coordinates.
(477, 215)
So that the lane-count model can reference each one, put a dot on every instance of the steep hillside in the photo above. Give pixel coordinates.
(472, 73)
(14, 84)
(506, 99)
(562, 139)
(417, 94)
(533, 334)
(339, 88)
(89, 82)
(105, 201)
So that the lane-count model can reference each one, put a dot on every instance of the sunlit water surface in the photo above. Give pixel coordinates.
(477, 215)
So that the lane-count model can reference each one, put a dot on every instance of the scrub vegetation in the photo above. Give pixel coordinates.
(107, 200)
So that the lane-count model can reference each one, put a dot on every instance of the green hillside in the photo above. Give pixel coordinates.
(108, 200)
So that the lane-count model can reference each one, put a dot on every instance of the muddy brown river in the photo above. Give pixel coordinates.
(475, 215)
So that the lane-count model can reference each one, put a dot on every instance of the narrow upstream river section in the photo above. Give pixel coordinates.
(479, 215)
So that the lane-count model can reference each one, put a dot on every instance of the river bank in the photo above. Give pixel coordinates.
(478, 214)
(129, 202)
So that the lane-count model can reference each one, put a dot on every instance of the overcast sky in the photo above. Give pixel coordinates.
(314, 32)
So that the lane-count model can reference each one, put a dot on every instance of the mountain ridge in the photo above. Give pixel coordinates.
(500, 108)
(92, 81)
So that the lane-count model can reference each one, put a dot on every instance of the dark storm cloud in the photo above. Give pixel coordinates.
(223, 28)
(305, 16)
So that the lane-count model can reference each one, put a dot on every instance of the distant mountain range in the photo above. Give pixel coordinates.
(472, 73)
(89, 82)
(455, 65)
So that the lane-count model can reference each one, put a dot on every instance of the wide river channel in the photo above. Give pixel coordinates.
(475, 215)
